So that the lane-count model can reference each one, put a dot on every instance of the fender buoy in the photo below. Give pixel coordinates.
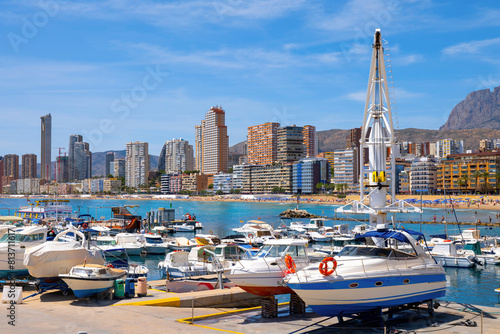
(323, 266)
(85, 225)
(110, 266)
(290, 264)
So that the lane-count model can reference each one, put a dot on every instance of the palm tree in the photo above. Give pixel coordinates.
(466, 179)
(476, 175)
(497, 180)
(485, 177)
(461, 183)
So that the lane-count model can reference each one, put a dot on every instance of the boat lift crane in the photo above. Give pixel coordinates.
(377, 137)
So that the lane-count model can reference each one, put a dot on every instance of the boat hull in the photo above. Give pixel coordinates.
(89, 287)
(337, 298)
(454, 262)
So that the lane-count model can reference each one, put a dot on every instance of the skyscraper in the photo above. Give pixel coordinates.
(198, 144)
(262, 143)
(62, 169)
(82, 161)
(11, 166)
(28, 168)
(176, 156)
(136, 164)
(310, 140)
(291, 146)
(46, 147)
(118, 168)
(71, 154)
(215, 142)
(110, 157)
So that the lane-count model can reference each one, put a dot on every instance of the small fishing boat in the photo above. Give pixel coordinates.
(181, 243)
(184, 227)
(447, 254)
(132, 242)
(88, 280)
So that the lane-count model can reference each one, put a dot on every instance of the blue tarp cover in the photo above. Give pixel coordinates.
(386, 234)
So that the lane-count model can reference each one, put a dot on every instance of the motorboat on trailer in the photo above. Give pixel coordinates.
(391, 270)
(88, 280)
(262, 274)
(13, 245)
(379, 274)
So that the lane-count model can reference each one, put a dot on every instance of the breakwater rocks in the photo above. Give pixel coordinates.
(293, 213)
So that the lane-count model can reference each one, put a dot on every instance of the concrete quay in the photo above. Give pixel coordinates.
(54, 312)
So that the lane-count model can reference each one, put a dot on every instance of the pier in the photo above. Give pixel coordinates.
(160, 311)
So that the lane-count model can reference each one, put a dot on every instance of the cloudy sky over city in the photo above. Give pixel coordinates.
(121, 71)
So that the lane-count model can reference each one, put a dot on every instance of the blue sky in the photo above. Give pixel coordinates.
(121, 71)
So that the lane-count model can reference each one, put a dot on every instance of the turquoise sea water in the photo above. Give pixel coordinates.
(473, 286)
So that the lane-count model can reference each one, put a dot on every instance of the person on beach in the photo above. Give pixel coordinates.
(434, 219)
(442, 219)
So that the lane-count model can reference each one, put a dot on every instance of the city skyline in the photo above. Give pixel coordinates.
(292, 62)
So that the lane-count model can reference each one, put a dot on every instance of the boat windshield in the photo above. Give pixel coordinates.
(372, 252)
(154, 240)
(106, 242)
(272, 251)
(82, 272)
(22, 237)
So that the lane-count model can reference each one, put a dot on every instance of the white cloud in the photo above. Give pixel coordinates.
(473, 47)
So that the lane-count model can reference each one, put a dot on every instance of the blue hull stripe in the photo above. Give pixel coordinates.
(332, 283)
(88, 293)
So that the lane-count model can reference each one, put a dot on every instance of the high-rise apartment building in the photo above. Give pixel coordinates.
(11, 166)
(345, 166)
(118, 168)
(310, 140)
(28, 168)
(46, 147)
(353, 138)
(262, 143)
(136, 164)
(82, 161)
(176, 156)
(198, 143)
(215, 142)
(110, 157)
(447, 147)
(62, 169)
(291, 146)
(71, 154)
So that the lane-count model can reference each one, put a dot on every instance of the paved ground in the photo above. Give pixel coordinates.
(53, 312)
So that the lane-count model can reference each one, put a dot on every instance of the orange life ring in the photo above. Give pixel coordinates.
(85, 225)
(110, 266)
(323, 266)
(290, 264)
(250, 236)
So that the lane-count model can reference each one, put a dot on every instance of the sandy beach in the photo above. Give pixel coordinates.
(473, 202)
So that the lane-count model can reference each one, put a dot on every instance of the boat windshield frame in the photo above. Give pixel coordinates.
(373, 251)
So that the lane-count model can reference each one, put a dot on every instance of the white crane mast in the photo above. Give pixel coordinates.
(377, 137)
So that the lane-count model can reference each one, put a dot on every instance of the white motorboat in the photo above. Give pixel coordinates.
(88, 280)
(256, 231)
(133, 243)
(202, 260)
(56, 257)
(318, 237)
(262, 274)
(13, 245)
(446, 253)
(154, 244)
(363, 278)
(184, 227)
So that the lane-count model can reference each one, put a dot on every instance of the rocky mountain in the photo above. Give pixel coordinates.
(479, 110)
